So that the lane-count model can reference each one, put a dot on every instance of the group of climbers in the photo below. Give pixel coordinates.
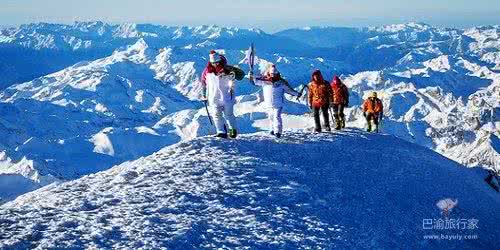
(326, 96)
(218, 90)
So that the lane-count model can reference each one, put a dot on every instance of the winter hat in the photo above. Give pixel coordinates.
(214, 57)
(320, 76)
(336, 80)
(374, 94)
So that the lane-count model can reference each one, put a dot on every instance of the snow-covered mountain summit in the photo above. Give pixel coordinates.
(348, 190)
(133, 90)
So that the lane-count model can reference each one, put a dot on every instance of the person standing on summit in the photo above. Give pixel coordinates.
(320, 94)
(218, 89)
(373, 110)
(340, 100)
(274, 88)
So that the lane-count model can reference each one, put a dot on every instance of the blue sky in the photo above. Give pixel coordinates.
(268, 15)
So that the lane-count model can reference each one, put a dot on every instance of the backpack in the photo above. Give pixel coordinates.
(238, 73)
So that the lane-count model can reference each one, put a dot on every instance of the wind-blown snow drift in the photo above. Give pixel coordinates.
(349, 189)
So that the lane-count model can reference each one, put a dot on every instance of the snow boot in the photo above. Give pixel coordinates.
(233, 133)
(369, 129)
(328, 129)
(338, 124)
(317, 130)
(278, 135)
(343, 123)
(221, 135)
(272, 132)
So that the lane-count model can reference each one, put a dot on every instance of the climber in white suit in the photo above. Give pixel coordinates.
(218, 89)
(274, 88)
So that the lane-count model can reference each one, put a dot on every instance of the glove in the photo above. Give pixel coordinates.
(364, 114)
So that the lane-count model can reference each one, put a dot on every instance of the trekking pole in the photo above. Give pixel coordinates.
(302, 91)
(208, 113)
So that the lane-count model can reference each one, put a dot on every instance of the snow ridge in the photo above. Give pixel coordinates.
(317, 190)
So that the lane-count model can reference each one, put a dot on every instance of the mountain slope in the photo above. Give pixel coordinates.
(47, 47)
(348, 190)
(439, 86)
(95, 113)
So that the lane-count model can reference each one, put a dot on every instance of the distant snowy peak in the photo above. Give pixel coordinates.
(128, 30)
(397, 37)
(441, 64)
(83, 35)
(83, 76)
(394, 28)
(130, 80)
(486, 43)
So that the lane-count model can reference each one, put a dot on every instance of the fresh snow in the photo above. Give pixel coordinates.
(440, 87)
(346, 189)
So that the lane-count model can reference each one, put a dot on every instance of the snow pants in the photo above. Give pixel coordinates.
(326, 119)
(338, 113)
(274, 116)
(223, 113)
(369, 118)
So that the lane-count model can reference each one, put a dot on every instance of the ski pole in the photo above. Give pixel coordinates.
(301, 91)
(208, 113)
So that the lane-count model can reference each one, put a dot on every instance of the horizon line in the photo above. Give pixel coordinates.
(241, 27)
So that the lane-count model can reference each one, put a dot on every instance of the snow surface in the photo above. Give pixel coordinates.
(345, 189)
(440, 87)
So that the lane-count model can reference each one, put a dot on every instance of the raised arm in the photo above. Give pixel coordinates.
(259, 81)
(289, 90)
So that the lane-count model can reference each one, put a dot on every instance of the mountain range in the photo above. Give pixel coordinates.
(78, 99)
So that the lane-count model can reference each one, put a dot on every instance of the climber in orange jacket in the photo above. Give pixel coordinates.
(340, 100)
(373, 110)
(320, 94)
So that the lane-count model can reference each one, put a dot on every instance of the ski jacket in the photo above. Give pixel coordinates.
(222, 69)
(340, 93)
(320, 92)
(217, 70)
(373, 105)
(274, 91)
(219, 89)
(218, 82)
